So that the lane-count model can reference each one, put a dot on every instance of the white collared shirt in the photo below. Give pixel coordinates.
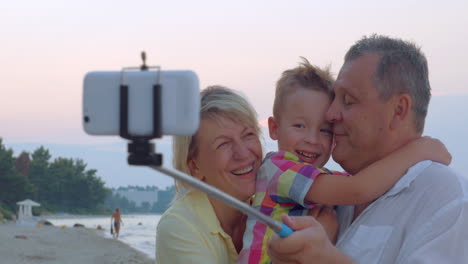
(422, 219)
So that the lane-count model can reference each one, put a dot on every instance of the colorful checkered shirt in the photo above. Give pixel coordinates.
(283, 181)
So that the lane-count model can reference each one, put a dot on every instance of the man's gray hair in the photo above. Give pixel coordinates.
(402, 68)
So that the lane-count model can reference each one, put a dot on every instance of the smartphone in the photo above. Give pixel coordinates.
(180, 102)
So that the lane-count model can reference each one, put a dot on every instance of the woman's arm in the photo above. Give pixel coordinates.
(177, 241)
(377, 178)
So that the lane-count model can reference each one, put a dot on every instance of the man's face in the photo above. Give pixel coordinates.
(361, 120)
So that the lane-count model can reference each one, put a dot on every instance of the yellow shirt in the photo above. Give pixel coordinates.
(189, 232)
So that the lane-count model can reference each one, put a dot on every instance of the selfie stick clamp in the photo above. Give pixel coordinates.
(141, 150)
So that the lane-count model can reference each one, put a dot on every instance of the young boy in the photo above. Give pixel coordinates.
(292, 180)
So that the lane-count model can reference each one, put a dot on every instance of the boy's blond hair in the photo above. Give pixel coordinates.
(306, 76)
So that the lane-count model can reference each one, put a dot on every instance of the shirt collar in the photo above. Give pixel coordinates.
(405, 181)
(206, 212)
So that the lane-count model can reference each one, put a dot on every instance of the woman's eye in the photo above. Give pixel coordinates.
(326, 131)
(249, 134)
(222, 144)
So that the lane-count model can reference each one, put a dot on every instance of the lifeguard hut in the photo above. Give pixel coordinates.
(25, 210)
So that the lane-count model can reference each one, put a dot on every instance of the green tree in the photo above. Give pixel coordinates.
(38, 173)
(95, 191)
(74, 187)
(63, 185)
(23, 164)
(13, 187)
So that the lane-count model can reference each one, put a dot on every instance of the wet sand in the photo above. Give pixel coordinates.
(53, 245)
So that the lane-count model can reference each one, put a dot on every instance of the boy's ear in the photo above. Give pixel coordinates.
(273, 128)
(401, 111)
(194, 170)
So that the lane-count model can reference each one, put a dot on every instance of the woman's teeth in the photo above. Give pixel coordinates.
(308, 155)
(243, 171)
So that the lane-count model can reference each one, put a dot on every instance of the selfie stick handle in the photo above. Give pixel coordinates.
(280, 228)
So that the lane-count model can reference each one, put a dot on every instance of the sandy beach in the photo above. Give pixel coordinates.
(53, 245)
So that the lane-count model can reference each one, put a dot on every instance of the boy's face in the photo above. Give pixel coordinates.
(301, 127)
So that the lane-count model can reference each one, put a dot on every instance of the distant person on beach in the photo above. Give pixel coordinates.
(293, 181)
(116, 223)
(226, 153)
(381, 100)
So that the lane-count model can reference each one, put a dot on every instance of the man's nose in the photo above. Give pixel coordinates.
(333, 113)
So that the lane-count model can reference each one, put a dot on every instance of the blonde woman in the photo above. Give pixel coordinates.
(226, 152)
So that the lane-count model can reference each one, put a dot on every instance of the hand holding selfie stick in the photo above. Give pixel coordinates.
(142, 152)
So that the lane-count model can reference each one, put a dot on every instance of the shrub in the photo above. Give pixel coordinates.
(6, 214)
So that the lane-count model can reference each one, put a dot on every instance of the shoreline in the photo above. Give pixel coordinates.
(138, 231)
(54, 245)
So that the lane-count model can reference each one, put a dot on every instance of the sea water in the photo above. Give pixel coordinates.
(137, 231)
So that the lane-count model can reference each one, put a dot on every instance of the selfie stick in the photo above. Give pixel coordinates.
(281, 229)
(141, 152)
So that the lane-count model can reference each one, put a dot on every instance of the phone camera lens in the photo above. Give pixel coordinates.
(86, 119)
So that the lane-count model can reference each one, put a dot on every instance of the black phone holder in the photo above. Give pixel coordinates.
(141, 151)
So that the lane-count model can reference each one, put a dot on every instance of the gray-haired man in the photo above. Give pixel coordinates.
(382, 96)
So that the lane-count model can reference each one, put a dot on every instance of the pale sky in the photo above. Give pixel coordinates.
(48, 46)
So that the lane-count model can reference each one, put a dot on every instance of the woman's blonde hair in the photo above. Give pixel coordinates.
(216, 102)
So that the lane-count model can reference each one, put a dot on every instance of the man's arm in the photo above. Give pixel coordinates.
(326, 216)
(377, 178)
(308, 244)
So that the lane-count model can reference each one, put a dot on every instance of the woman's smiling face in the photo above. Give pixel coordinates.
(228, 156)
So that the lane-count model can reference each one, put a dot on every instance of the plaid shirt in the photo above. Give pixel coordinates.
(283, 181)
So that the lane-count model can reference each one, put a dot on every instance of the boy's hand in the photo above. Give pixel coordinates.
(432, 149)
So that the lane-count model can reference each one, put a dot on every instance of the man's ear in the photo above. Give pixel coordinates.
(194, 170)
(402, 105)
(273, 128)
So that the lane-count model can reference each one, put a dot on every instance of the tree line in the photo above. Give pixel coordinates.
(59, 185)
